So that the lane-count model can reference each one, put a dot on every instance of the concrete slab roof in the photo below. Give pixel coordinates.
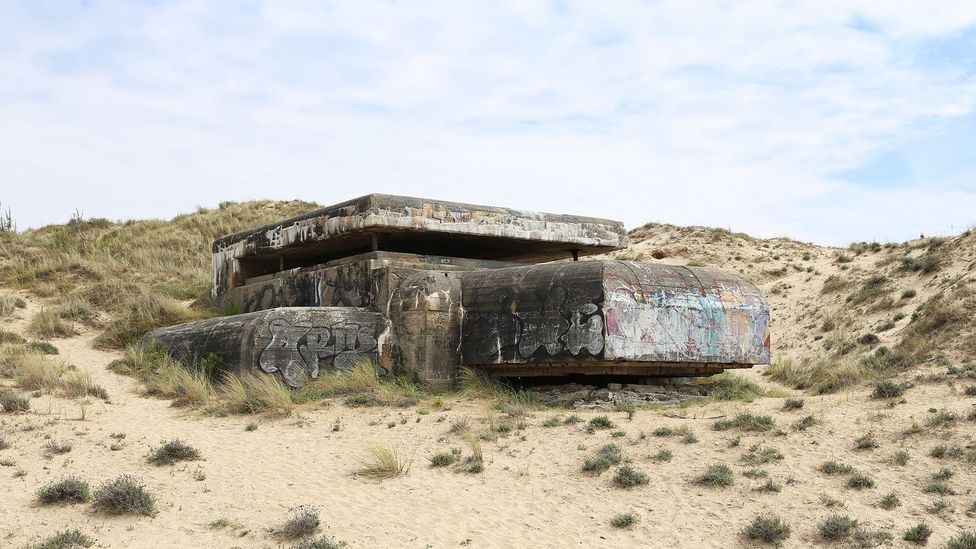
(434, 227)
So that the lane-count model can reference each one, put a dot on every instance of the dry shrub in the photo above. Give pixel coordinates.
(37, 372)
(124, 495)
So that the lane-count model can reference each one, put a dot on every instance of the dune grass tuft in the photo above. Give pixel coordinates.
(10, 401)
(303, 521)
(382, 462)
(69, 490)
(715, 475)
(768, 528)
(66, 539)
(624, 520)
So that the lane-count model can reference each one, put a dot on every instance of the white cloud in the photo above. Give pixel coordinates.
(729, 115)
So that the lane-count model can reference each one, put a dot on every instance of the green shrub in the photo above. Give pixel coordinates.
(940, 488)
(805, 423)
(58, 447)
(888, 389)
(836, 527)
(890, 501)
(745, 422)
(66, 539)
(42, 347)
(323, 542)
(793, 404)
(715, 475)
(628, 477)
(859, 481)
(124, 494)
(762, 456)
(607, 456)
(624, 520)
(767, 527)
(866, 442)
(172, 452)
(663, 455)
(918, 534)
(963, 540)
(362, 399)
(601, 422)
(443, 459)
(68, 490)
(832, 467)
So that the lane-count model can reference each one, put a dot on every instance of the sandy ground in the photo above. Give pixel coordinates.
(531, 494)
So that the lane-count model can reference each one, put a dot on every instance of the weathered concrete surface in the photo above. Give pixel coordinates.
(300, 343)
(406, 224)
(625, 315)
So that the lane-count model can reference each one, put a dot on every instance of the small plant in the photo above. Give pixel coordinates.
(382, 462)
(628, 477)
(900, 457)
(830, 502)
(663, 455)
(793, 404)
(58, 447)
(888, 389)
(66, 539)
(939, 506)
(252, 426)
(607, 456)
(172, 452)
(68, 490)
(624, 520)
(944, 473)
(768, 528)
(836, 527)
(573, 419)
(715, 475)
(866, 442)
(43, 347)
(755, 472)
(918, 534)
(890, 501)
(942, 418)
(601, 422)
(323, 542)
(689, 438)
(663, 432)
(860, 481)
(443, 459)
(302, 522)
(10, 401)
(123, 495)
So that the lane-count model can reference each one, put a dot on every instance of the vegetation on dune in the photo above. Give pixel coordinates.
(134, 273)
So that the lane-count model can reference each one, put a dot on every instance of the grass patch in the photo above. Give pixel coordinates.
(443, 459)
(382, 462)
(252, 393)
(866, 442)
(805, 423)
(48, 324)
(731, 387)
(940, 488)
(68, 490)
(745, 422)
(663, 455)
(761, 456)
(323, 542)
(900, 458)
(172, 452)
(601, 422)
(715, 475)
(58, 447)
(962, 540)
(124, 495)
(889, 501)
(768, 528)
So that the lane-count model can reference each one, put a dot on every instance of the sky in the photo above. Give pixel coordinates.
(828, 121)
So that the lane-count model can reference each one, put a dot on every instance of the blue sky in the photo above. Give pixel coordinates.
(828, 121)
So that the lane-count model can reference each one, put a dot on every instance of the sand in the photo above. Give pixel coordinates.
(531, 494)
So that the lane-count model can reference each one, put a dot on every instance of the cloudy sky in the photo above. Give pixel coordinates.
(828, 121)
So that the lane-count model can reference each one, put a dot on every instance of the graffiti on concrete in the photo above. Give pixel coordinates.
(299, 352)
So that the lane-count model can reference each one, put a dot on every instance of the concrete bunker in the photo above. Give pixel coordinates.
(428, 287)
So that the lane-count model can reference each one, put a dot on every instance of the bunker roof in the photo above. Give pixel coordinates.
(424, 226)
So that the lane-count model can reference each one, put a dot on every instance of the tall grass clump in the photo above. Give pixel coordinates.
(11, 402)
(731, 387)
(164, 376)
(382, 462)
(139, 315)
(48, 324)
(251, 393)
(819, 375)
